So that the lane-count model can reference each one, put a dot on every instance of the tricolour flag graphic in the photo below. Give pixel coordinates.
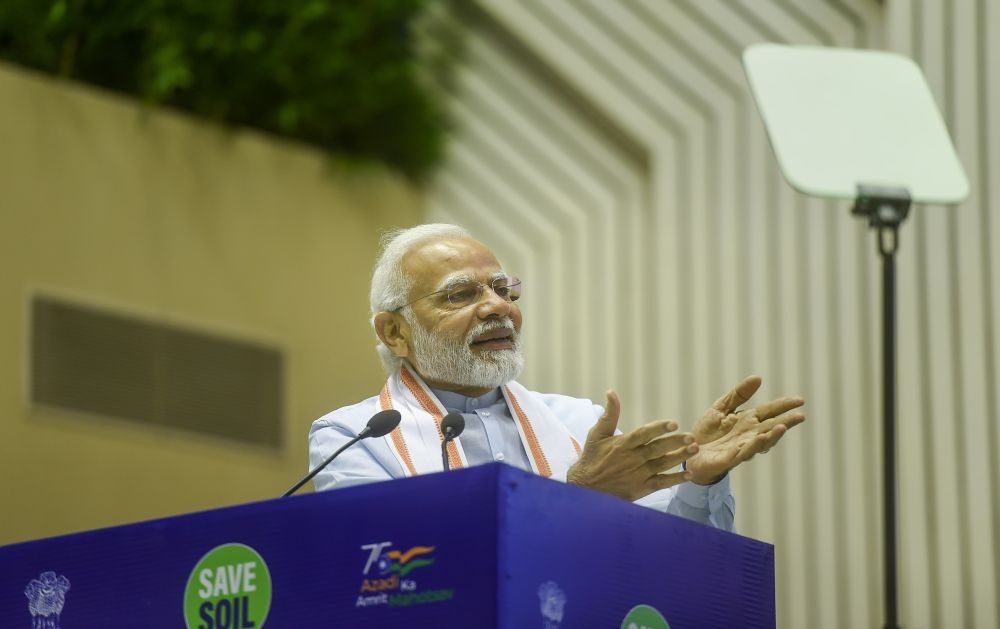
(404, 562)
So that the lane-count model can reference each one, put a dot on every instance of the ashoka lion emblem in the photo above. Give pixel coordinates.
(46, 597)
(552, 600)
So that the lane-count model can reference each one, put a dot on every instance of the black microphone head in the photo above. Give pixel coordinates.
(383, 422)
(452, 425)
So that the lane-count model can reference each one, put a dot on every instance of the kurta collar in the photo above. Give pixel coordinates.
(463, 404)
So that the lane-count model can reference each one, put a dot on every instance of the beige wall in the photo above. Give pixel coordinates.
(153, 214)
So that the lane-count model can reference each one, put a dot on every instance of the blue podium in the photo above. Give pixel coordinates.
(484, 547)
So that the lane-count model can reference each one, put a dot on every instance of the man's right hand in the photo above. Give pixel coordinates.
(631, 465)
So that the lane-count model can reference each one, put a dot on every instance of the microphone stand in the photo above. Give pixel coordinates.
(451, 427)
(449, 435)
(381, 424)
(316, 470)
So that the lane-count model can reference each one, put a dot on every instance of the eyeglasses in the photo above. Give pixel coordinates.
(462, 294)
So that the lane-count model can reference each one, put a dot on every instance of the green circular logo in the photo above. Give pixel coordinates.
(644, 617)
(229, 588)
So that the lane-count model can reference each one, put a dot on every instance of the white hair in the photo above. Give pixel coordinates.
(390, 286)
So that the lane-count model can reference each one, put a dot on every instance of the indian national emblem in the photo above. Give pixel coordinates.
(46, 597)
(552, 600)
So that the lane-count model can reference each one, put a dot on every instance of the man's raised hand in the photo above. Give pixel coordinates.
(631, 465)
(719, 419)
(728, 438)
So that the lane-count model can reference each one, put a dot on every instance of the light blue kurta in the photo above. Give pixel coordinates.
(491, 435)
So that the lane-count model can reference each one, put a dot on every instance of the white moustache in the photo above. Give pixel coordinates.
(492, 324)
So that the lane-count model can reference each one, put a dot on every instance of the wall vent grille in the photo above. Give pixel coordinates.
(99, 362)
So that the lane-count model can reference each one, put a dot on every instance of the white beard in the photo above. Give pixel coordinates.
(453, 362)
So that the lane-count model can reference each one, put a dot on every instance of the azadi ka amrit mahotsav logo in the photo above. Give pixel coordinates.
(388, 579)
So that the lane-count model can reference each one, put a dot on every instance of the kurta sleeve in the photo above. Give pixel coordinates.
(356, 465)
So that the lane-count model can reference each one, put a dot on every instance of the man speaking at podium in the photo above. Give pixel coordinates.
(446, 316)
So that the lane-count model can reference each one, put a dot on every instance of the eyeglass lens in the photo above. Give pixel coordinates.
(508, 289)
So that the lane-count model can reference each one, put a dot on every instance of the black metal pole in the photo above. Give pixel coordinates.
(886, 208)
(888, 251)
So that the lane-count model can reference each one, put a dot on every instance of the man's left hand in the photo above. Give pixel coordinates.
(728, 438)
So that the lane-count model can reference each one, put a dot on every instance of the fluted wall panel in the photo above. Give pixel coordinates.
(611, 154)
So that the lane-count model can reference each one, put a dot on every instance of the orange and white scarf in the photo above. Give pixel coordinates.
(416, 442)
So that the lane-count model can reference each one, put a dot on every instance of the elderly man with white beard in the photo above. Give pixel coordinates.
(448, 325)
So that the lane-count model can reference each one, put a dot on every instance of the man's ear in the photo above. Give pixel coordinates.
(394, 332)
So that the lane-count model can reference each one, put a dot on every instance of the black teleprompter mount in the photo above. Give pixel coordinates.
(886, 208)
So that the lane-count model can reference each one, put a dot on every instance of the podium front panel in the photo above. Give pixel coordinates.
(419, 552)
(600, 557)
(486, 547)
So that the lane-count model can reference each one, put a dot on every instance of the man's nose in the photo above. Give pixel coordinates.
(492, 305)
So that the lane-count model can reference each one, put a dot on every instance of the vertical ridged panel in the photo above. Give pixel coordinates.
(611, 153)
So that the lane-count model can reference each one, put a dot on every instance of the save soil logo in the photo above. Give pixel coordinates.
(387, 579)
(229, 588)
(644, 617)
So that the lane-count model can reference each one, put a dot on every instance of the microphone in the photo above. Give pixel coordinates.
(451, 427)
(381, 424)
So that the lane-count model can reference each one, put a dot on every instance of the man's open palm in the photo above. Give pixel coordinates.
(727, 437)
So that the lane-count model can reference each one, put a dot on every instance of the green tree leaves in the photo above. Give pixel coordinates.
(341, 75)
